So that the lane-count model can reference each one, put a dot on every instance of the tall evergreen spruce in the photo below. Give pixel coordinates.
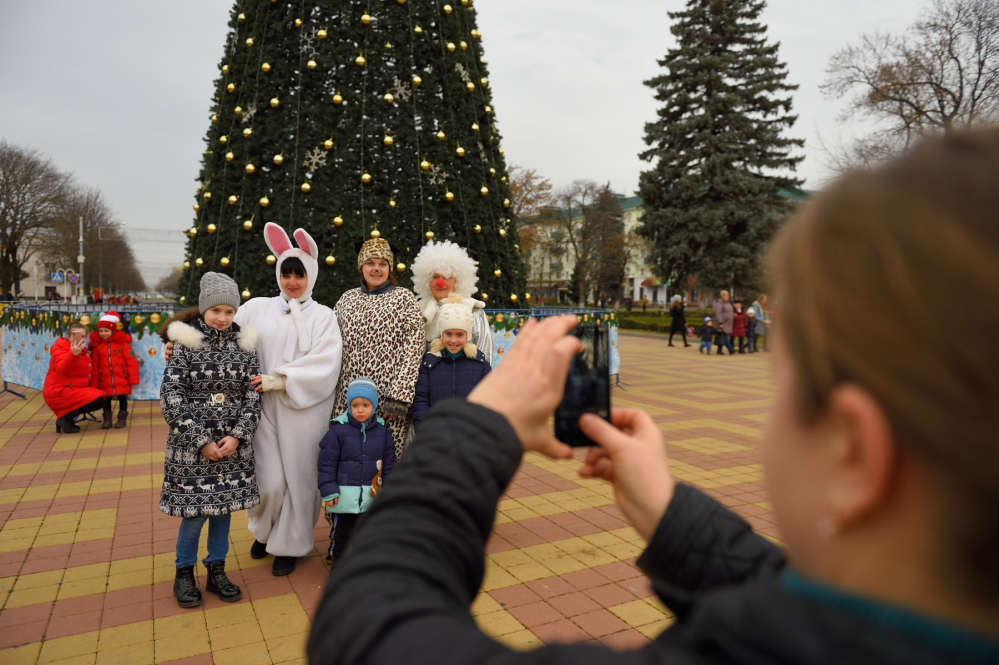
(349, 119)
(720, 156)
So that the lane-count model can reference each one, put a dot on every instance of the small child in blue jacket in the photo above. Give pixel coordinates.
(454, 366)
(707, 330)
(356, 454)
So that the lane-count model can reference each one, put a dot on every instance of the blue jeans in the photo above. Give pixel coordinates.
(190, 534)
(705, 345)
(725, 342)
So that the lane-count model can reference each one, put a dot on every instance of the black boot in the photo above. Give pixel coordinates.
(284, 565)
(258, 550)
(185, 588)
(220, 584)
(107, 420)
(122, 419)
(66, 426)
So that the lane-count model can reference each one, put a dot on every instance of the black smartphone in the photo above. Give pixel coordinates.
(587, 388)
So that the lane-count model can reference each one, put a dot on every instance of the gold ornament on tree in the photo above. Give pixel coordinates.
(447, 9)
(187, 265)
(250, 169)
(484, 190)
(248, 225)
(388, 140)
(231, 88)
(223, 139)
(275, 102)
(425, 165)
(193, 232)
(337, 99)
(497, 273)
(242, 18)
(366, 178)
(306, 188)
(321, 34)
(392, 204)
(208, 196)
(484, 82)
(429, 235)
(233, 199)
(459, 151)
(400, 267)
(338, 221)
(463, 45)
(311, 64)
(418, 30)
(224, 261)
(449, 195)
(212, 229)
(199, 262)
(360, 61)
(441, 135)
(245, 294)
(264, 202)
(489, 109)
(502, 233)
(375, 233)
(451, 47)
(247, 133)
(478, 228)
(470, 86)
(249, 42)
(197, 207)
(475, 126)
(266, 67)
(366, 19)
(389, 98)
(513, 297)
(279, 159)
(215, 118)
(328, 144)
(271, 259)
(331, 260)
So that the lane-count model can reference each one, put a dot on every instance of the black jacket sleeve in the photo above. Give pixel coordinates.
(403, 590)
(701, 545)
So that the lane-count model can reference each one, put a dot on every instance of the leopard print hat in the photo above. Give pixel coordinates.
(376, 248)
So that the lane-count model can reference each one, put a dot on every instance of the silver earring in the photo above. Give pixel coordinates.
(828, 527)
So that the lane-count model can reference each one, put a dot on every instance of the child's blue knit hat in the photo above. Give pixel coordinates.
(362, 387)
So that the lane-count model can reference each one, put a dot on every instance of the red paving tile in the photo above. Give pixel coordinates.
(574, 604)
(550, 587)
(585, 579)
(24, 633)
(600, 623)
(515, 596)
(73, 624)
(625, 640)
(535, 614)
(560, 632)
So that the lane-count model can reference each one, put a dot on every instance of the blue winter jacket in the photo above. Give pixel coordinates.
(348, 461)
(443, 377)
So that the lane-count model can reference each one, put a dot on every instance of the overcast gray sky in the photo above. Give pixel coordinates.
(118, 91)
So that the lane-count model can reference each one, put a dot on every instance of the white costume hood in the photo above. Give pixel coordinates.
(308, 253)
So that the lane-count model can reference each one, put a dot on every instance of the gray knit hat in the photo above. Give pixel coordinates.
(217, 289)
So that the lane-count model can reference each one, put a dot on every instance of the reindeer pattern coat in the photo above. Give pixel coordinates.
(206, 395)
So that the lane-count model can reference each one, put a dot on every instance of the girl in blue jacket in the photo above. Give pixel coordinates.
(354, 456)
(454, 365)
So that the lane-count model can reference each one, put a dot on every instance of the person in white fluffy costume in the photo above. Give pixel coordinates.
(442, 269)
(300, 353)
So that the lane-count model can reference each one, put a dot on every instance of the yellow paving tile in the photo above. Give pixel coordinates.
(637, 613)
(23, 655)
(288, 648)
(498, 623)
(511, 558)
(284, 625)
(226, 637)
(35, 596)
(529, 572)
(498, 579)
(653, 630)
(232, 614)
(126, 655)
(80, 588)
(133, 633)
(255, 653)
(69, 647)
(484, 604)
(36, 580)
(521, 640)
(130, 580)
(272, 607)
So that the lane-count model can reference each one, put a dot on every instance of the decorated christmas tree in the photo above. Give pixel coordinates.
(353, 120)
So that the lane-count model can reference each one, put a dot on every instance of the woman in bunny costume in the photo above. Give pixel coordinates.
(299, 349)
(444, 269)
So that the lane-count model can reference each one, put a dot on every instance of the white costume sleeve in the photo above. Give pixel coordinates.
(312, 378)
(482, 335)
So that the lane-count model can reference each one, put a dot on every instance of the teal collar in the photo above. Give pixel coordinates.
(455, 356)
(939, 634)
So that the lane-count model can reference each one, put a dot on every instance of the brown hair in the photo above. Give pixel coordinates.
(874, 276)
(391, 276)
(184, 316)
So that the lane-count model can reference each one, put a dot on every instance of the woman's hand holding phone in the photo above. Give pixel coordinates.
(632, 457)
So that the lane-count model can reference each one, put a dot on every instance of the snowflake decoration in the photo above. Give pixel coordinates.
(482, 153)
(315, 159)
(401, 90)
(248, 115)
(464, 73)
(308, 45)
(437, 175)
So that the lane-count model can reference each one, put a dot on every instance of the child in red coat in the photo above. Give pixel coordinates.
(115, 368)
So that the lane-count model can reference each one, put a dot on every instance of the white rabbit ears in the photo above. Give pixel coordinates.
(279, 243)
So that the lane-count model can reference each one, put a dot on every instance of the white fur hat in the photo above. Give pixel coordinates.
(448, 260)
(307, 252)
(454, 315)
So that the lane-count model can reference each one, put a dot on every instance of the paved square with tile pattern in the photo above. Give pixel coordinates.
(87, 559)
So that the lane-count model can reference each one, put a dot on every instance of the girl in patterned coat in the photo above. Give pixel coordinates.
(212, 408)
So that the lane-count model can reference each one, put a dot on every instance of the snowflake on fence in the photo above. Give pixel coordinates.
(401, 90)
(308, 45)
(248, 114)
(464, 73)
(437, 175)
(315, 159)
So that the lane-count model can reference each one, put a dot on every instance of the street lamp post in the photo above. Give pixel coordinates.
(81, 258)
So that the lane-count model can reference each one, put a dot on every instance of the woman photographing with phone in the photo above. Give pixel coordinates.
(881, 470)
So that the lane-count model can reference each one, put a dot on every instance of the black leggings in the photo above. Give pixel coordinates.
(93, 406)
(681, 333)
(122, 403)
